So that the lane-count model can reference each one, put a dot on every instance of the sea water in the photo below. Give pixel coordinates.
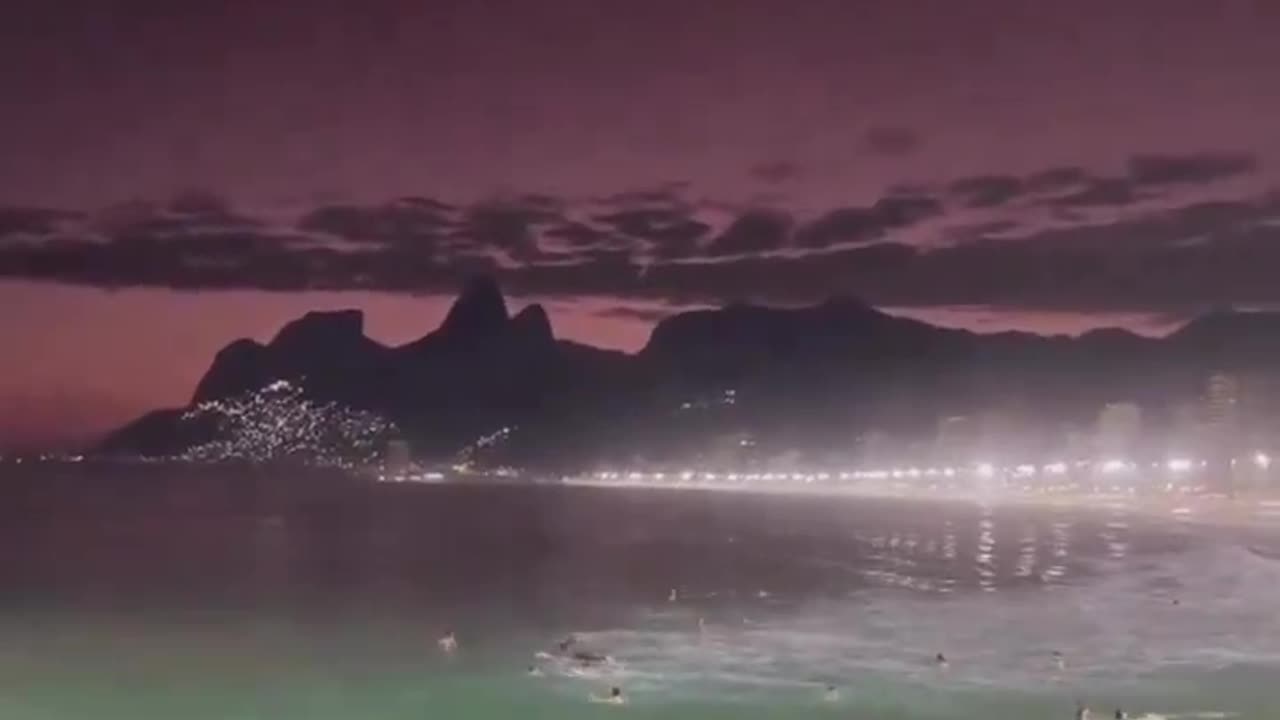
(145, 607)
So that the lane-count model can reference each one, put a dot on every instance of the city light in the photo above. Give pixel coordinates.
(278, 421)
(1111, 467)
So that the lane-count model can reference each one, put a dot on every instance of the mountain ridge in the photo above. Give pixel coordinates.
(828, 370)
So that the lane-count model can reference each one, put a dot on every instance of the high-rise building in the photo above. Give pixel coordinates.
(1222, 400)
(1221, 422)
(1119, 430)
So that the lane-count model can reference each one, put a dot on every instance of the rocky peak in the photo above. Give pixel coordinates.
(479, 310)
(532, 322)
(322, 330)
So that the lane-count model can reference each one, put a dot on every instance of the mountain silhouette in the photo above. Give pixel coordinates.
(805, 377)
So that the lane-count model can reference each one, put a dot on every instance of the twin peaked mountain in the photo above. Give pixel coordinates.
(808, 379)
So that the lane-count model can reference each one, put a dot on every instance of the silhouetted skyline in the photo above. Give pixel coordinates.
(1034, 166)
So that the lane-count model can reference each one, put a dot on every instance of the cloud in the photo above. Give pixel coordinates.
(411, 223)
(776, 172)
(512, 226)
(754, 231)
(1194, 254)
(987, 190)
(892, 141)
(1194, 168)
(852, 225)
(29, 222)
(665, 231)
(579, 235)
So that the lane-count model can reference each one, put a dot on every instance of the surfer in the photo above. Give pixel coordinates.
(1121, 714)
(535, 671)
(1082, 712)
(941, 661)
(567, 643)
(832, 694)
(448, 642)
(1059, 660)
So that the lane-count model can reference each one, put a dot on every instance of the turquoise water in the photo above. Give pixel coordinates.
(267, 612)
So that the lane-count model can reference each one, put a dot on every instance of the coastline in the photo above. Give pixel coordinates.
(1245, 512)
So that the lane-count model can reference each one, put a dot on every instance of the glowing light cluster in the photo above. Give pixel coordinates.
(279, 422)
(469, 454)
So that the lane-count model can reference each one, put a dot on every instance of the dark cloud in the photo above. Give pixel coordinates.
(776, 172)
(1194, 168)
(889, 140)
(866, 224)
(1101, 192)
(987, 190)
(667, 232)
(510, 226)
(980, 231)
(193, 213)
(33, 221)
(1073, 187)
(754, 231)
(409, 223)
(579, 235)
(1195, 254)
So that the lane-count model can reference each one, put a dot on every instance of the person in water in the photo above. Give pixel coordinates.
(1059, 660)
(1082, 712)
(535, 671)
(587, 658)
(832, 694)
(941, 660)
(1121, 714)
(613, 698)
(448, 642)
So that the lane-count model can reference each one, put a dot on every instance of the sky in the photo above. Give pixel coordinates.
(178, 175)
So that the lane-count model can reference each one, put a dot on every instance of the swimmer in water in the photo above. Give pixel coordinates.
(587, 659)
(613, 698)
(567, 643)
(832, 694)
(448, 642)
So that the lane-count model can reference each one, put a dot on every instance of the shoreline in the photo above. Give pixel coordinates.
(1244, 512)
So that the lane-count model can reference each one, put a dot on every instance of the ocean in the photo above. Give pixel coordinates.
(148, 599)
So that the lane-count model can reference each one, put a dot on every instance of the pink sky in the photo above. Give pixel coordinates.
(280, 107)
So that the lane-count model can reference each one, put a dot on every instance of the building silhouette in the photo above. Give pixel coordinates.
(1221, 412)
